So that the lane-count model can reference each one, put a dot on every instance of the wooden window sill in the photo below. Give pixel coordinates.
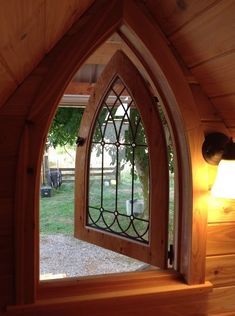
(151, 285)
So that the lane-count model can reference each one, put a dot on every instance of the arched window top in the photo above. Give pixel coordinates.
(123, 135)
(119, 152)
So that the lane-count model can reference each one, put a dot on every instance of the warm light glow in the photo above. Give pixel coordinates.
(224, 186)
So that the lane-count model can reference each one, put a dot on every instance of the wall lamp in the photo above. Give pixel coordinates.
(219, 149)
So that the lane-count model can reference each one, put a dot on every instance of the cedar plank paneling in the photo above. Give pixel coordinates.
(20, 101)
(79, 88)
(6, 253)
(11, 128)
(221, 239)
(224, 293)
(172, 14)
(59, 18)
(7, 171)
(7, 83)
(221, 300)
(205, 107)
(6, 215)
(217, 76)
(103, 53)
(6, 262)
(220, 270)
(60, 64)
(19, 14)
(225, 106)
(6, 239)
(23, 38)
(221, 210)
(195, 47)
(6, 291)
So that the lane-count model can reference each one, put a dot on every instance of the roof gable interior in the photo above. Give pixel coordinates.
(201, 33)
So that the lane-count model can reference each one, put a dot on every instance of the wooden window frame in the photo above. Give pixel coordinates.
(148, 44)
(155, 252)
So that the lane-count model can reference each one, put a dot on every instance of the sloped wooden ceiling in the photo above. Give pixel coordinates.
(201, 32)
(28, 30)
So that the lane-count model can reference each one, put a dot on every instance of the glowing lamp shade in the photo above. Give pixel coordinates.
(224, 186)
(218, 149)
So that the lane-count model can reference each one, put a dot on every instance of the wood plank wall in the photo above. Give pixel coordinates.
(202, 35)
(27, 33)
(202, 32)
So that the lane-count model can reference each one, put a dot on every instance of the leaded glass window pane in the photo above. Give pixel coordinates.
(118, 200)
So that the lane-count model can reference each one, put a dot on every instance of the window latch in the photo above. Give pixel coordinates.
(80, 141)
(171, 254)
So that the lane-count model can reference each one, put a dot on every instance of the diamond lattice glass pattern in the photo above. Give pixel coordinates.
(118, 200)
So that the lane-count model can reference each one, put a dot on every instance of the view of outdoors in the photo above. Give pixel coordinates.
(118, 198)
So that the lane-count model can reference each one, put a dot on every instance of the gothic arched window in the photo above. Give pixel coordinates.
(122, 191)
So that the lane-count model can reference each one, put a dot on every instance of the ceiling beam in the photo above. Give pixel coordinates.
(103, 53)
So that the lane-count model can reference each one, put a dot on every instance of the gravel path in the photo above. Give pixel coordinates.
(66, 256)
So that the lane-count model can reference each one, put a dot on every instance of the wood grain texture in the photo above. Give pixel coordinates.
(221, 210)
(217, 76)
(79, 88)
(221, 239)
(7, 256)
(10, 134)
(153, 300)
(104, 53)
(6, 292)
(6, 263)
(7, 82)
(59, 18)
(28, 30)
(220, 270)
(224, 106)
(7, 171)
(20, 15)
(6, 215)
(223, 298)
(188, 135)
(109, 282)
(172, 15)
(43, 106)
(198, 41)
(205, 107)
(22, 44)
(21, 100)
(223, 314)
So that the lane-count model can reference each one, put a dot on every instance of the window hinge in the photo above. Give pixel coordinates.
(171, 254)
(80, 141)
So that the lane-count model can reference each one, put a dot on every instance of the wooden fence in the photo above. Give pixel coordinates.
(68, 174)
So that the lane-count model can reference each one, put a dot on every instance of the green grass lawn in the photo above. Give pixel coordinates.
(57, 211)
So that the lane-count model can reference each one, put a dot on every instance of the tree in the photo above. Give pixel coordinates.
(65, 126)
(63, 132)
